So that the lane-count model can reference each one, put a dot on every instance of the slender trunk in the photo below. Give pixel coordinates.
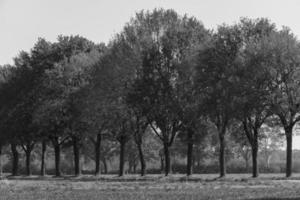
(172, 162)
(15, 155)
(194, 162)
(76, 151)
(28, 157)
(142, 159)
(104, 165)
(288, 133)
(130, 166)
(247, 164)
(43, 167)
(162, 165)
(189, 153)
(134, 167)
(254, 148)
(122, 157)
(222, 155)
(167, 158)
(57, 158)
(97, 154)
(198, 163)
(1, 161)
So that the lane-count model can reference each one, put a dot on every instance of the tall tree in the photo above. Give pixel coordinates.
(284, 66)
(66, 74)
(140, 125)
(217, 82)
(6, 74)
(162, 39)
(23, 96)
(254, 81)
(121, 132)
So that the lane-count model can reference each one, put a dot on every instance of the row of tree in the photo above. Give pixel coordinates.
(163, 74)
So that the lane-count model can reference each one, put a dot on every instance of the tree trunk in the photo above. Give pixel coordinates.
(198, 162)
(247, 164)
(172, 161)
(43, 167)
(76, 151)
(134, 167)
(162, 165)
(97, 154)
(104, 165)
(28, 157)
(288, 133)
(57, 158)
(1, 171)
(122, 157)
(129, 167)
(222, 155)
(190, 144)
(15, 163)
(194, 162)
(142, 159)
(254, 148)
(167, 158)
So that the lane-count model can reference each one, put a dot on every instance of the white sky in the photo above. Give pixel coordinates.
(22, 22)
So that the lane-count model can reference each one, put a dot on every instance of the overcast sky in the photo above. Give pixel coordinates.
(23, 21)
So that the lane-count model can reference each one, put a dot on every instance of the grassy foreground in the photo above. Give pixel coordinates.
(154, 187)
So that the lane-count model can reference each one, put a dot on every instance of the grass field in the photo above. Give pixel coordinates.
(152, 187)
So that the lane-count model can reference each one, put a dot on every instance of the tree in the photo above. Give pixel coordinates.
(217, 82)
(162, 39)
(22, 97)
(95, 105)
(95, 115)
(66, 83)
(112, 76)
(122, 132)
(26, 133)
(283, 51)
(12, 94)
(67, 74)
(254, 81)
(82, 65)
(43, 153)
(194, 122)
(6, 73)
(139, 126)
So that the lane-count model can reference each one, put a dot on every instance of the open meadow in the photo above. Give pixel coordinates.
(158, 187)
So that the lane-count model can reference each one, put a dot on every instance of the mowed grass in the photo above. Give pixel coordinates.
(152, 187)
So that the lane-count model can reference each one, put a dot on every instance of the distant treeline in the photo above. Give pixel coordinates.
(163, 79)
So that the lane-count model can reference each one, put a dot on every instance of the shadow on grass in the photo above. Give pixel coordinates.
(150, 178)
(83, 178)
